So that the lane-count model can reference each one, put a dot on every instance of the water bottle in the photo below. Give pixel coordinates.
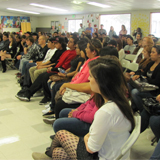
(61, 70)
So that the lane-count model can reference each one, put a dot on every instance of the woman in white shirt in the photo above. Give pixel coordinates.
(112, 123)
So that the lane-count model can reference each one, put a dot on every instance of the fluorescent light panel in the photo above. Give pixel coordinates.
(76, 2)
(48, 7)
(98, 4)
(19, 10)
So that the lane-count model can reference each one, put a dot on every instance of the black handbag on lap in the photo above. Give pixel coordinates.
(142, 85)
(82, 153)
(151, 105)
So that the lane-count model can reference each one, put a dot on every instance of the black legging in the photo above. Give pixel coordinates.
(61, 105)
(41, 82)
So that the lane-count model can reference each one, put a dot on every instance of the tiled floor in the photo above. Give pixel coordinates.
(22, 130)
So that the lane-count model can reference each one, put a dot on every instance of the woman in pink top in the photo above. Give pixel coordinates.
(76, 121)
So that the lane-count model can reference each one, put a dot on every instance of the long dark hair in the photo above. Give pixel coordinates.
(82, 44)
(110, 79)
(95, 45)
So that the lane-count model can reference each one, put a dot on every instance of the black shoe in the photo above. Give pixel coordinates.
(48, 114)
(3, 66)
(24, 88)
(24, 96)
(45, 100)
(4, 70)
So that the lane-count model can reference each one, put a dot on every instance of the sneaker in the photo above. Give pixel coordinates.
(44, 101)
(48, 114)
(48, 105)
(23, 96)
(46, 110)
(40, 156)
(49, 120)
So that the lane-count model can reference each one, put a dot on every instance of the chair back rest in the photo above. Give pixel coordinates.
(133, 66)
(130, 57)
(124, 63)
(132, 138)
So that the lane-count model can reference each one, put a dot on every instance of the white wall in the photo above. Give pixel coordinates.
(138, 19)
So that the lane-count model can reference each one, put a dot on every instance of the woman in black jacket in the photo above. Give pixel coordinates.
(10, 52)
(152, 74)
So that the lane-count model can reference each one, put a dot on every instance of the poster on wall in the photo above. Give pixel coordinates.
(13, 21)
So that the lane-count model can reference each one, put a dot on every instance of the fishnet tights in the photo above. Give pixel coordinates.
(64, 146)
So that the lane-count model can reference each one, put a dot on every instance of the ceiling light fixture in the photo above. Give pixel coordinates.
(98, 4)
(48, 7)
(19, 10)
(76, 2)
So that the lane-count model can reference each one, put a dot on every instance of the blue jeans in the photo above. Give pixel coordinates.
(23, 64)
(156, 153)
(137, 96)
(72, 125)
(152, 121)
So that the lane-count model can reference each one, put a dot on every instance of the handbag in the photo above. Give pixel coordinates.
(82, 153)
(142, 85)
(56, 78)
(151, 105)
(72, 96)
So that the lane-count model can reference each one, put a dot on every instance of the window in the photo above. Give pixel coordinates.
(155, 24)
(74, 25)
(116, 20)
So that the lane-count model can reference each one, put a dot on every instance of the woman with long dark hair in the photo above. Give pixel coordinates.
(112, 123)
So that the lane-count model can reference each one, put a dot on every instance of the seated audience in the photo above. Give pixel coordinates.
(80, 87)
(120, 49)
(52, 58)
(124, 40)
(137, 31)
(147, 41)
(42, 54)
(112, 43)
(114, 110)
(142, 65)
(92, 50)
(41, 81)
(8, 52)
(105, 41)
(138, 38)
(35, 37)
(130, 47)
(152, 74)
(76, 64)
(30, 53)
